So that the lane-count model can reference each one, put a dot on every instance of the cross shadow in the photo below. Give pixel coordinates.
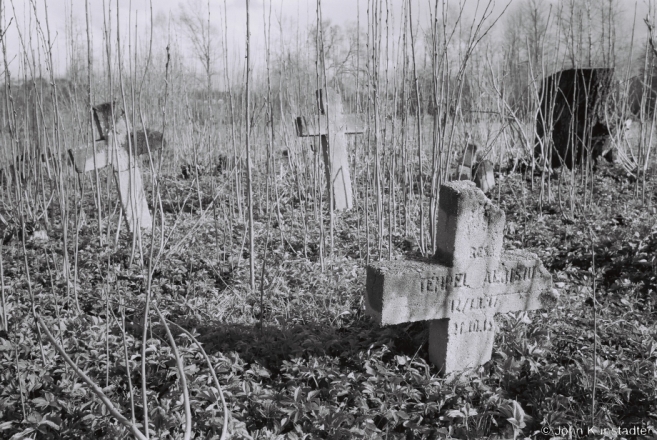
(273, 344)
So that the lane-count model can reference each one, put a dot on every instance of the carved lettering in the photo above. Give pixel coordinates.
(478, 303)
(442, 283)
(513, 275)
(480, 252)
(473, 326)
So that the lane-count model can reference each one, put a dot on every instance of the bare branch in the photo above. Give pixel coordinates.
(95, 388)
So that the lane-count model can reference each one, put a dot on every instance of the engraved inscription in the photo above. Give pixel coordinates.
(480, 303)
(502, 275)
(480, 252)
(496, 276)
(522, 273)
(441, 283)
(514, 275)
(459, 279)
(472, 326)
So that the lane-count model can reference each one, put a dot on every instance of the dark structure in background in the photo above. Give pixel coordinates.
(639, 88)
(573, 111)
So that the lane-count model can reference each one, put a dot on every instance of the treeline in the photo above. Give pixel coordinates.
(396, 64)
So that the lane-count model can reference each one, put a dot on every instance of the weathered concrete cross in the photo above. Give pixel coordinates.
(464, 167)
(111, 150)
(484, 177)
(332, 130)
(469, 281)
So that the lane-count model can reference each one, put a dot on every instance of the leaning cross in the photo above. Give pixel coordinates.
(111, 150)
(332, 130)
(469, 280)
(464, 168)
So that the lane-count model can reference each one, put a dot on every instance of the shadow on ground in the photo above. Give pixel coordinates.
(273, 344)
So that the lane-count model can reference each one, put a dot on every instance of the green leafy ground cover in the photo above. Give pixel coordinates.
(317, 367)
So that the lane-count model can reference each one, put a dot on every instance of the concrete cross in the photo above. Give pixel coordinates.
(484, 177)
(332, 130)
(111, 150)
(464, 167)
(469, 280)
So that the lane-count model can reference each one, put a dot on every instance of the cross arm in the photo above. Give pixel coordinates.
(321, 128)
(85, 159)
(407, 291)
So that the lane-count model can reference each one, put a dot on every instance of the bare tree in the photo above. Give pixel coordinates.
(195, 21)
(588, 31)
(340, 51)
(527, 45)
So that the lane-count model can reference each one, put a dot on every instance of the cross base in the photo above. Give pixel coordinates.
(456, 344)
(133, 199)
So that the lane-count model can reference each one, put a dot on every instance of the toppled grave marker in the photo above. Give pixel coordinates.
(332, 130)
(467, 283)
(111, 149)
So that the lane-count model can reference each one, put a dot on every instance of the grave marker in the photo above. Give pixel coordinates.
(332, 130)
(469, 281)
(464, 167)
(571, 122)
(484, 176)
(111, 150)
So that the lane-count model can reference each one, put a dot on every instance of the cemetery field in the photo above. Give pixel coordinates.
(296, 357)
(328, 219)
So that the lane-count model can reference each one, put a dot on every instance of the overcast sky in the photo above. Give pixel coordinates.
(19, 17)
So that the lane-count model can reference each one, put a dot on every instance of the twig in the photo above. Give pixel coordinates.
(181, 371)
(94, 388)
(205, 355)
(262, 274)
(20, 382)
(214, 377)
(651, 37)
(249, 177)
(121, 325)
(3, 304)
(595, 332)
